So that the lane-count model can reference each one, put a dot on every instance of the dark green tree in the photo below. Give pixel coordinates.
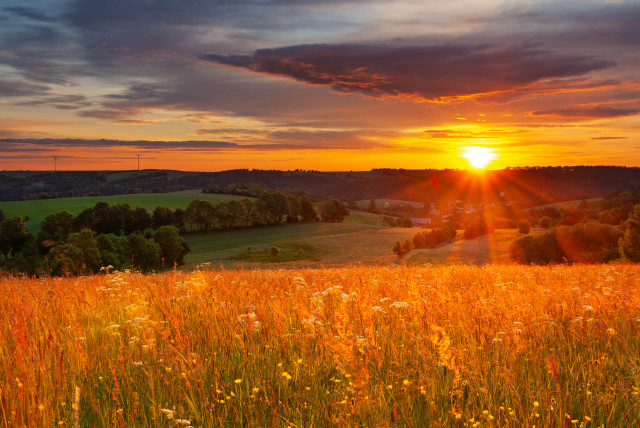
(307, 211)
(162, 216)
(141, 219)
(180, 219)
(13, 235)
(66, 259)
(113, 251)
(332, 211)
(173, 247)
(145, 253)
(87, 243)
(107, 219)
(294, 210)
(201, 214)
(55, 228)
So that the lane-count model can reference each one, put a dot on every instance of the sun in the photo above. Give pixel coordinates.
(478, 156)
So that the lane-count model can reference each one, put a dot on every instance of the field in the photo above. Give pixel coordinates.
(38, 210)
(507, 346)
(492, 248)
(360, 239)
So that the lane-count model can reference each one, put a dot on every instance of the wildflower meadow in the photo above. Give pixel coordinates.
(503, 346)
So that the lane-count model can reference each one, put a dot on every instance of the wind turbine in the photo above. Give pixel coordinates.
(55, 166)
(138, 154)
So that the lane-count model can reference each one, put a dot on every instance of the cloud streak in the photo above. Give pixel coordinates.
(589, 112)
(418, 72)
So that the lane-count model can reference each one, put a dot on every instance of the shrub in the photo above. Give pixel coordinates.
(524, 227)
(477, 228)
(275, 252)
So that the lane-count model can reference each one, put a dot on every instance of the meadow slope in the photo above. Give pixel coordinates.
(507, 346)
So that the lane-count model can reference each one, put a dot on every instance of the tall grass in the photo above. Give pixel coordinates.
(506, 346)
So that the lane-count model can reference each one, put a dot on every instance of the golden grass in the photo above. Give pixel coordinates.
(504, 346)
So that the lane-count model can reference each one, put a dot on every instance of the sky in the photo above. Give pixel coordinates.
(209, 85)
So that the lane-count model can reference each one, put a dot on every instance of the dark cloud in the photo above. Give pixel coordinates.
(423, 72)
(589, 112)
(63, 102)
(281, 140)
(609, 138)
(29, 13)
(20, 89)
(139, 144)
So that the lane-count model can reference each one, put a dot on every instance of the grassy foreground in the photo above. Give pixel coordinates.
(506, 346)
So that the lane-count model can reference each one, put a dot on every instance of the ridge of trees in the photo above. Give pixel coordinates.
(556, 183)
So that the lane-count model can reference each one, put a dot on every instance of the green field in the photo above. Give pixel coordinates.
(38, 210)
(361, 239)
(231, 247)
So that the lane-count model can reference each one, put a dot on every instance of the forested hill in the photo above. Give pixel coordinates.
(530, 185)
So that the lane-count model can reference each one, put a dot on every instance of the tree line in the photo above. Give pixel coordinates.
(586, 241)
(122, 237)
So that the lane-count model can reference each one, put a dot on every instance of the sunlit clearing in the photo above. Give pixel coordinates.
(478, 157)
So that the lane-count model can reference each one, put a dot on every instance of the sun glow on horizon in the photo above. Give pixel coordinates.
(479, 157)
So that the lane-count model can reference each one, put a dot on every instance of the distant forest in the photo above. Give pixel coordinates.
(530, 186)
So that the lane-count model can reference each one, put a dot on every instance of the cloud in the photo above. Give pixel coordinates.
(609, 138)
(29, 13)
(419, 72)
(63, 102)
(13, 88)
(138, 144)
(589, 112)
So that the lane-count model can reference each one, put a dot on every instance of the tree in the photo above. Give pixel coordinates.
(13, 235)
(275, 252)
(85, 220)
(180, 219)
(332, 211)
(173, 247)
(86, 242)
(272, 207)
(145, 253)
(56, 227)
(202, 214)
(293, 209)
(401, 249)
(66, 259)
(407, 223)
(590, 242)
(572, 216)
(546, 222)
(477, 228)
(141, 219)
(107, 219)
(524, 227)
(113, 250)
(629, 244)
(307, 211)
(29, 260)
(372, 206)
(162, 216)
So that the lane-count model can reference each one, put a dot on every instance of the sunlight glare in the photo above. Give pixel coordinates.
(478, 156)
